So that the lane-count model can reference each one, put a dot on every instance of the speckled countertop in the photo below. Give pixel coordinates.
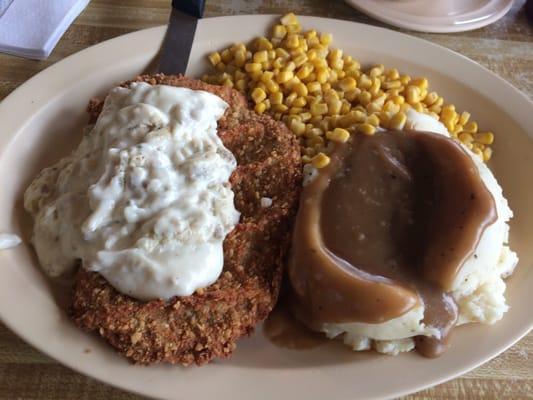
(505, 47)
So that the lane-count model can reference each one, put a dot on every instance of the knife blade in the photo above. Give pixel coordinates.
(179, 37)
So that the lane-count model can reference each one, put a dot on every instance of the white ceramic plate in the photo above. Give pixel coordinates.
(439, 16)
(41, 120)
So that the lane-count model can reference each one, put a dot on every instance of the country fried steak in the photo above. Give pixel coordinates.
(207, 324)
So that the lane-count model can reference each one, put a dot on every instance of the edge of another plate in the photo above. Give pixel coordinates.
(384, 14)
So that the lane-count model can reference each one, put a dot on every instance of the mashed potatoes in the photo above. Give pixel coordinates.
(478, 289)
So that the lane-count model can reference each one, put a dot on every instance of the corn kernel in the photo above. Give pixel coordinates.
(346, 107)
(376, 71)
(439, 102)
(313, 141)
(281, 108)
(226, 56)
(258, 95)
(465, 116)
(326, 38)
(477, 151)
(348, 120)
(334, 106)
(366, 129)
(373, 120)
(272, 86)
(240, 85)
(255, 75)
(279, 31)
(338, 135)
(384, 118)
(292, 41)
(299, 102)
(300, 89)
(320, 160)
(214, 58)
(487, 154)
(398, 121)
(431, 98)
(289, 19)
(466, 137)
(372, 108)
(313, 132)
(260, 108)
(314, 87)
(305, 116)
(470, 127)
(364, 82)
(267, 76)
(297, 127)
(284, 76)
(290, 99)
(252, 67)
(392, 85)
(405, 79)
(262, 43)
(485, 138)
(392, 74)
(365, 98)
(347, 84)
(300, 60)
(260, 56)
(276, 98)
(306, 159)
(238, 47)
(278, 63)
(319, 109)
(391, 106)
(418, 107)
(352, 94)
(322, 75)
(412, 94)
(375, 88)
(239, 58)
(304, 71)
(421, 83)
(435, 109)
(457, 130)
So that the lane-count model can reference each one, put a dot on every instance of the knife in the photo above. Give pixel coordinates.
(177, 44)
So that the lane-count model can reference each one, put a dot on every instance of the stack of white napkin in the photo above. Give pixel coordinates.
(32, 28)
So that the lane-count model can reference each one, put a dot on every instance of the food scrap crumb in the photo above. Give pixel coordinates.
(87, 351)
(523, 354)
(266, 202)
(310, 173)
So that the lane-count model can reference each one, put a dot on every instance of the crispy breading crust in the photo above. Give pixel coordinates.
(197, 328)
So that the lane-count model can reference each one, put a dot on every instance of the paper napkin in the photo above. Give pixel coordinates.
(32, 28)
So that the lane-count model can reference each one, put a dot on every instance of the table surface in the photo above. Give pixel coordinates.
(505, 47)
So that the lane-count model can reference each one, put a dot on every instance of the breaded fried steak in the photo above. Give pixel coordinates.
(207, 324)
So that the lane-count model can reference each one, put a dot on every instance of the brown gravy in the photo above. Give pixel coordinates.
(387, 225)
(285, 331)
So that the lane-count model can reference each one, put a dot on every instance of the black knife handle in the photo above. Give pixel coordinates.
(194, 8)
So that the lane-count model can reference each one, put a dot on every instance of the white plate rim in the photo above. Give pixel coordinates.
(20, 95)
(379, 12)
